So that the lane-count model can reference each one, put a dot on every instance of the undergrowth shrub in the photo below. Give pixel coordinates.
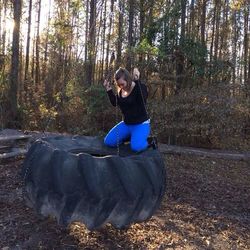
(205, 116)
(89, 112)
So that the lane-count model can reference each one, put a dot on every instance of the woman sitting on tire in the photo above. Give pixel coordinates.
(131, 99)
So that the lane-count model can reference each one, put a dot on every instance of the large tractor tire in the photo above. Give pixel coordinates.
(80, 179)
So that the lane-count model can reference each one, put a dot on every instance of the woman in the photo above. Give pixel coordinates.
(131, 99)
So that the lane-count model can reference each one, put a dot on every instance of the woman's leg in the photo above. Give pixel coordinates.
(119, 132)
(139, 135)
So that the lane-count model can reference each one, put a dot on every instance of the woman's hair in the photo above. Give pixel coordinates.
(122, 72)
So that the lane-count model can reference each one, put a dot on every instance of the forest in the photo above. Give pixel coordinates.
(62, 186)
(194, 57)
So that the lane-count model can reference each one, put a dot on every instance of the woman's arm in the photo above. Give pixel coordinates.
(142, 87)
(111, 95)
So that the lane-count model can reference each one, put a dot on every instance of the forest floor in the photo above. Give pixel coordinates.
(206, 206)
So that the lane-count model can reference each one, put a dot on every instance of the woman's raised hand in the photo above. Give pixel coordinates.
(136, 74)
(106, 84)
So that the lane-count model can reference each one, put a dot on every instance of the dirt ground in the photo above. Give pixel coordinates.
(206, 206)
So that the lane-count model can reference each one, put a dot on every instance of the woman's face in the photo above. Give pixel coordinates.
(122, 83)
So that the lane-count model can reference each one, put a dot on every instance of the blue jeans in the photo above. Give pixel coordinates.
(137, 133)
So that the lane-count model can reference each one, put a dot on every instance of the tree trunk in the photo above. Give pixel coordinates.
(203, 21)
(248, 80)
(109, 36)
(203, 39)
(120, 34)
(217, 30)
(142, 19)
(246, 41)
(33, 59)
(14, 76)
(20, 87)
(183, 20)
(141, 29)
(103, 38)
(91, 42)
(179, 62)
(4, 28)
(37, 75)
(46, 49)
(179, 54)
(234, 46)
(86, 32)
(219, 154)
(179, 67)
(27, 47)
(130, 34)
(0, 23)
(191, 19)
(213, 31)
(225, 28)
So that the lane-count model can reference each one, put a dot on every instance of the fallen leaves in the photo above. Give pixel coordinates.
(206, 206)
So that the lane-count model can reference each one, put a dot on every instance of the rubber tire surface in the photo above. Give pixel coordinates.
(80, 179)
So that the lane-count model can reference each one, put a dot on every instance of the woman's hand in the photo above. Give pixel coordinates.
(136, 74)
(106, 85)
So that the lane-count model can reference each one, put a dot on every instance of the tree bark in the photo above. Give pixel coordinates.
(142, 19)
(14, 73)
(225, 28)
(219, 154)
(203, 38)
(234, 46)
(46, 49)
(246, 42)
(203, 21)
(130, 34)
(4, 29)
(86, 32)
(213, 31)
(37, 75)
(141, 29)
(183, 20)
(217, 29)
(120, 34)
(91, 42)
(191, 19)
(0, 23)
(109, 36)
(248, 80)
(27, 47)
(103, 38)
